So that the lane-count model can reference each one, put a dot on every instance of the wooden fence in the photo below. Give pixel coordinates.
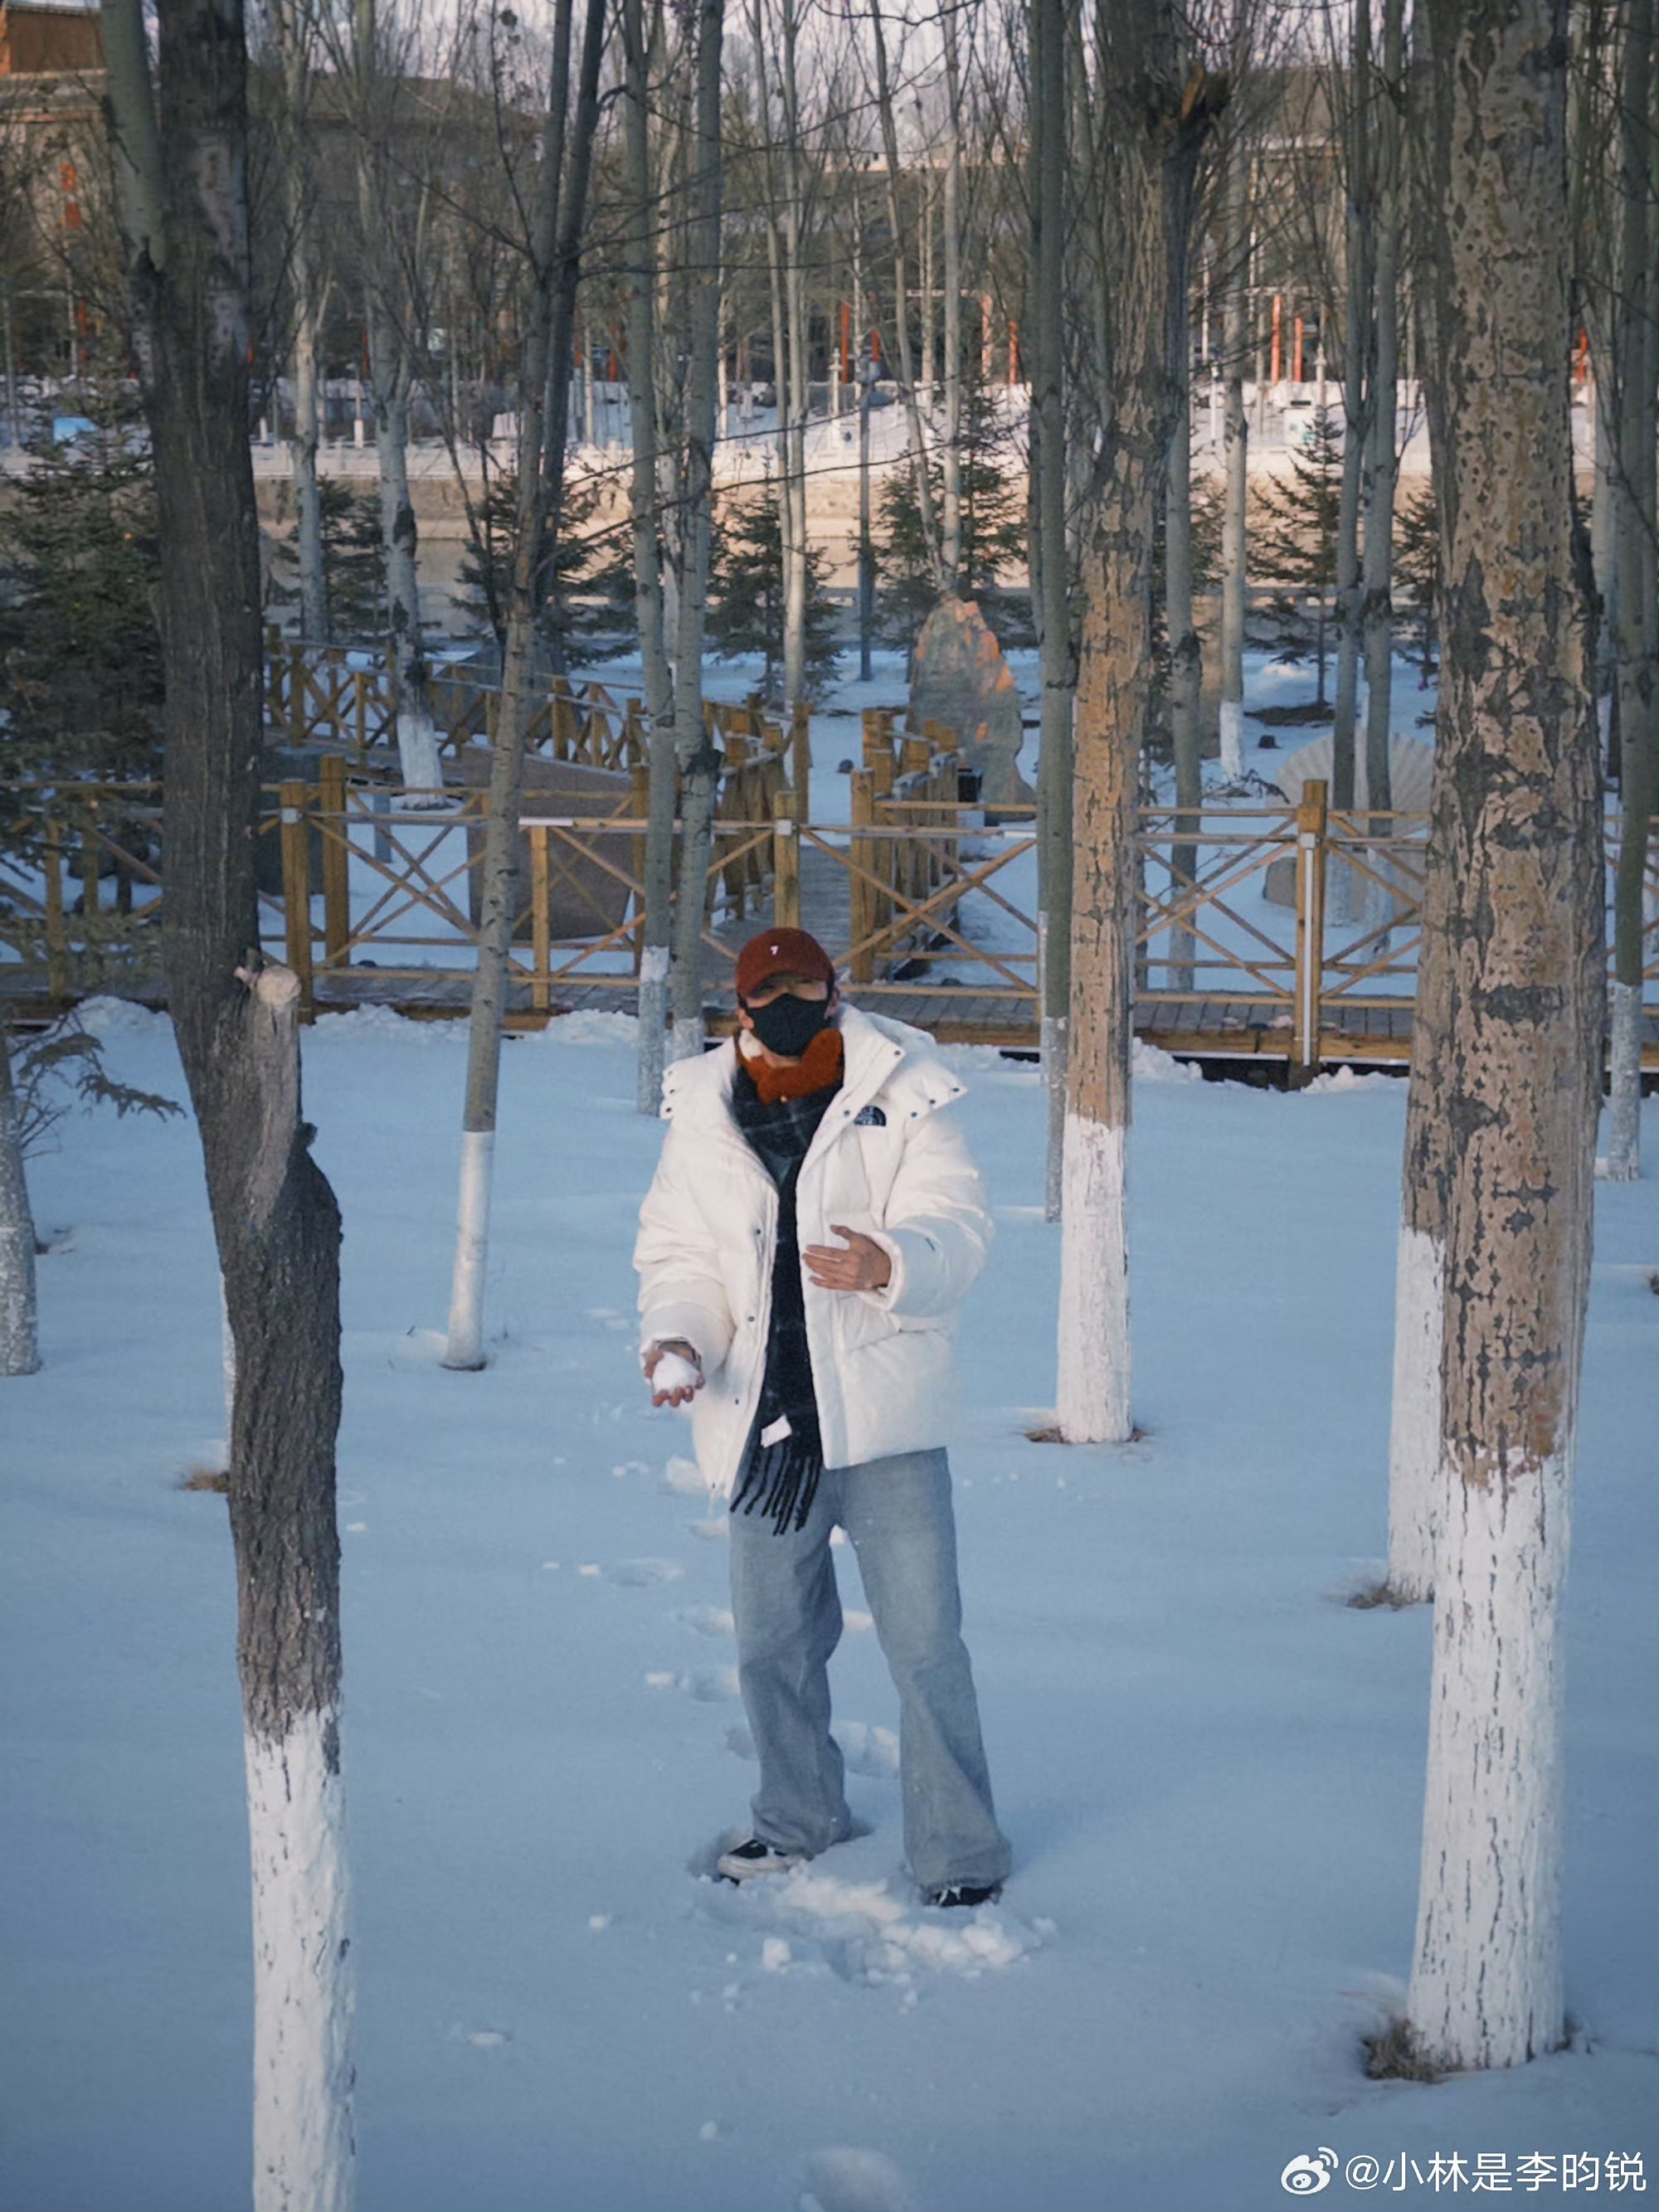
(335, 701)
(929, 908)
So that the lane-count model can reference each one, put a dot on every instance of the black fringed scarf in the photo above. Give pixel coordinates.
(781, 1479)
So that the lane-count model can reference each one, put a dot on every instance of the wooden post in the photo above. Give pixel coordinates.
(57, 935)
(296, 888)
(800, 756)
(1310, 858)
(862, 896)
(878, 760)
(337, 858)
(786, 870)
(541, 926)
(359, 684)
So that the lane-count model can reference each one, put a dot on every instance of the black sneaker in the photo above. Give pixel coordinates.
(955, 1893)
(755, 1855)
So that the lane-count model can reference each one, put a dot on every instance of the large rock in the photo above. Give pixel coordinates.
(962, 681)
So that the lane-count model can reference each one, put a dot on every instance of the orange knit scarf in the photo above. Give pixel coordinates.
(817, 1069)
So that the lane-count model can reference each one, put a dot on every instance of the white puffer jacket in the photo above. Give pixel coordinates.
(886, 1159)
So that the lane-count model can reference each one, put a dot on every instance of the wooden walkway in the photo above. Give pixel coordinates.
(927, 908)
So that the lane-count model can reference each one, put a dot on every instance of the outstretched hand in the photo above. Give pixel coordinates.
(682, 1375)
(863, 1266)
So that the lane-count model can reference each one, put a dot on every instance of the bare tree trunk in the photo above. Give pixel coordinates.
(19, 1350)
(698, 756)
(793, 487)
(925, 504)
(1357, 391)
(389, 370)
(1050, 565)
(291, 27)
(950, 458)
(1517, 835)
(1636, 621)
(555, 248)
(642, 280)
(277, 1227)
(1186, 666)
(1236, 489)
(1377, 602)
(1415, 1508)
(1158, 115)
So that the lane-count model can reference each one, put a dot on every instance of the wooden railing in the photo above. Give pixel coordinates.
(917, 897)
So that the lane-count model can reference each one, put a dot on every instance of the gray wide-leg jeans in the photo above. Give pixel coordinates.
(897, 1513)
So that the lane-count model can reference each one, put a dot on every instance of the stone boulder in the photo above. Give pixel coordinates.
(961, 681)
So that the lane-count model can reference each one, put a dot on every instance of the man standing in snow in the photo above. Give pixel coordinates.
(819, 1380)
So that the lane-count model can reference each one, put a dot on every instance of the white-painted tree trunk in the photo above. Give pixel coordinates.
(1485, 1987)
(418, 762)
(303, 2150)
(1092, 1398)
(1624, 1159)
(653, 1025)
(464, 1346)
(1414, 1425)
(1232, 737)
(20, 1351)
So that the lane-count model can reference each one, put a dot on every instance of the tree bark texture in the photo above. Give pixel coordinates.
(1186, 666)
(1376, 572)
(389, 382)
(275, 1220)
(1157, 118)
(950, 443)
(1358, 393)
(1051, 565)
(694, 747)
(1414, 1461)
(290, 27)
(1516, 835)
(1236, 432)
(643, 277)
(1636, 616)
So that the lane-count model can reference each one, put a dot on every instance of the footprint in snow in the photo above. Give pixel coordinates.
(709, 1686)
(843, 2180)
(641, 1574)
(871, 1934)
(871, 1752)
(707, 1619)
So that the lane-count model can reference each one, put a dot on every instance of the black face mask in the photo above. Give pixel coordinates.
(789, 1024)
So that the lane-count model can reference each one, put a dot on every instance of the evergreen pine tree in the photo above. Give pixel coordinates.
(353, 565)
(80, 650)
(81, 681)
(1294, 542)
(1417, 564)
(746, 591)
(994, 531)
(586, 588)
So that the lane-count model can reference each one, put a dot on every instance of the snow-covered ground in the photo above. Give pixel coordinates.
(1210, 1766)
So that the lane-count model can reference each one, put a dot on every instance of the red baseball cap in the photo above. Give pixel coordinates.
(782, 952)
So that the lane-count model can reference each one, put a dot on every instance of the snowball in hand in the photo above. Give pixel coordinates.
(673, 1373)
